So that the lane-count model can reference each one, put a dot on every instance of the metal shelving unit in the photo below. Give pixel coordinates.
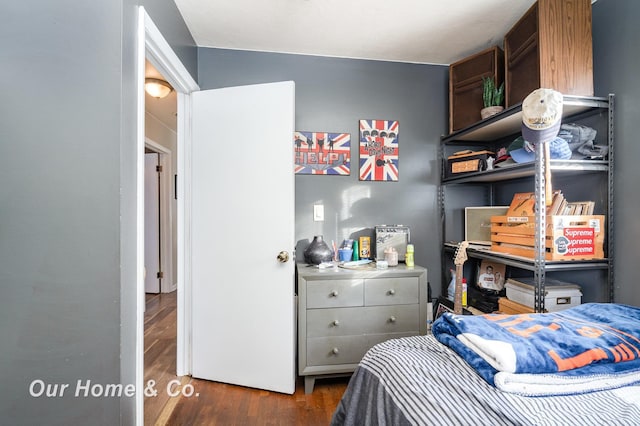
(528, 169)
(504, 125)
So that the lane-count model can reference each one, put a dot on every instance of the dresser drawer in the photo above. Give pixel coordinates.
(391, 319)
(363, 320)
(336, 321)
(335, 293)
(336, 350)
(391, 291)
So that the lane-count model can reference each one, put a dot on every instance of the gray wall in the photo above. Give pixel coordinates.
(616, 63)
(167, 17)
(66, 153)
(332, 95)
(67, 132)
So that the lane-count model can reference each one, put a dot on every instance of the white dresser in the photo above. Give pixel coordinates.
(344, 312)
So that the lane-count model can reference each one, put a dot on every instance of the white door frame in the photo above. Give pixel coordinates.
(153, 46)
(166, 214)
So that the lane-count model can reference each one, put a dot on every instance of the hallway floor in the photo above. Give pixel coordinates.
(219, 403)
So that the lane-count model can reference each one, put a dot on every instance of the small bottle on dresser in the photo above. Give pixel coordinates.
(408, 257)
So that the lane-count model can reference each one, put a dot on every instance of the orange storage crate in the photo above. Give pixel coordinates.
(509, 307)
(567, 237)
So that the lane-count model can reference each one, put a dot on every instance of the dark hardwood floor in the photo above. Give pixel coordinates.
(215, 403)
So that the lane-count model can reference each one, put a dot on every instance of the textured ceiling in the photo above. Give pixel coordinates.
(416, 31)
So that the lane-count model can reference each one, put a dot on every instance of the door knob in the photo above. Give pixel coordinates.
(283, 257)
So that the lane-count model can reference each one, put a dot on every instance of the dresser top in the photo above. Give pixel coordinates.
(366, 271)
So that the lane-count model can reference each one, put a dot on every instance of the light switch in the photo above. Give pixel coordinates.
(318, 212)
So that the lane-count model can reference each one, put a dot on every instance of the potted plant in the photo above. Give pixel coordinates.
(492, 97)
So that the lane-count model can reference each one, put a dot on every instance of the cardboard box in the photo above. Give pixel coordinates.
(467, 162)
(558, 295)
(567, 237)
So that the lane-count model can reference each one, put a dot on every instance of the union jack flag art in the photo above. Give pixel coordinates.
(321, 153)
(379, 150)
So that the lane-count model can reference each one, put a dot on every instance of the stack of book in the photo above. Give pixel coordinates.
(523, 204)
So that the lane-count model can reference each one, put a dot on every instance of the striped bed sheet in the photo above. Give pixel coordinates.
(419, 381)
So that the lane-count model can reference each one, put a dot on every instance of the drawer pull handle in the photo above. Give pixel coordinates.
(391, 292)
(335, 351)
(334, 293)
(392, 319)
(335, 323)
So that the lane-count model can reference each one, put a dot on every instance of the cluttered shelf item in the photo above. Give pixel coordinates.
(575, 146)
(573, 232)
(428, 379)
(558, 295)
(468, 161)
(570, 237)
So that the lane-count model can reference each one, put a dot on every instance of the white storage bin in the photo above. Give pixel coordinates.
(558, 295)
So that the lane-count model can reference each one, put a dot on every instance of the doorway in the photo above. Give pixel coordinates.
(160, 282)
(152, 47)
(193, 188)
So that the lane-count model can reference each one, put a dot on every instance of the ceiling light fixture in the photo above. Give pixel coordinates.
(157, 88)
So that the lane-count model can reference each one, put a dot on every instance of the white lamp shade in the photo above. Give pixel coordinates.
(157, 88)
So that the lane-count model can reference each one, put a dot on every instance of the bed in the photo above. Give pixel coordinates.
(437, 379)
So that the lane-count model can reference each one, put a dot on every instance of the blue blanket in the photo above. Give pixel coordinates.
(589, 347)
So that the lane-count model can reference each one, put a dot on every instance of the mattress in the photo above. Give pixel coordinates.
(419, 381)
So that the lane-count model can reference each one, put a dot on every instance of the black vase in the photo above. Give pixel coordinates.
(318, 251)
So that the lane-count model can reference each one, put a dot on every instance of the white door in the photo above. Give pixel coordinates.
(243, 324)
(151, 223)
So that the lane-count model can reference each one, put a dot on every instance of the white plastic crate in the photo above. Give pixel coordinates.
(558, 295)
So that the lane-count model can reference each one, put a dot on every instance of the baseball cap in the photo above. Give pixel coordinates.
(541, 115)
(523, 152)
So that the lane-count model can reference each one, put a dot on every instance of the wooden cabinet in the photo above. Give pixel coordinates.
(465, 85)
(342, 313)
(551, 47)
